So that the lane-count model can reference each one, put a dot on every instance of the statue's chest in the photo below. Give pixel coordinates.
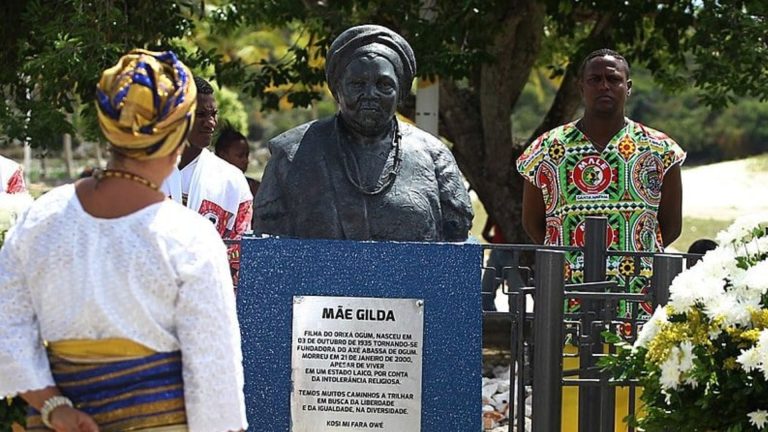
(410, 208)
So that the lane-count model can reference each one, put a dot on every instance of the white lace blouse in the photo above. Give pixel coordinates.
(158, 276)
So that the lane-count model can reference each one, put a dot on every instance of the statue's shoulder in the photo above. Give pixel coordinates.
(422, 140)
(288, 143)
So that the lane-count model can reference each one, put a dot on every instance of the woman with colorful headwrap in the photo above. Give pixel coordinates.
(116, 304)
(363, 174)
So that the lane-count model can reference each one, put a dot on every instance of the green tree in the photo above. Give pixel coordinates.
(54, 52)
(707, 134)
(231, 110)
(484, 52)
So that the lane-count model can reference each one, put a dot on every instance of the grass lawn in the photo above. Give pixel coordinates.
(714, 194)
(758, 164)
(695, 228)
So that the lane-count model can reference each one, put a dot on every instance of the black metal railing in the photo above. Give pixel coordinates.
(537, 338)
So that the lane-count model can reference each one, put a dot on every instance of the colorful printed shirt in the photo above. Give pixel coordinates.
(622, 183)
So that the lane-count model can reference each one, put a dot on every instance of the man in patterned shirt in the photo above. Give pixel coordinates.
(604, 164)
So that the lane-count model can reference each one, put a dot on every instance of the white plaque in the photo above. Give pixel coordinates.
(356, 364)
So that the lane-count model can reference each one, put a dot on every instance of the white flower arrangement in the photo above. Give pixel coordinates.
(758, 418)
(703, 358)
(11, 207)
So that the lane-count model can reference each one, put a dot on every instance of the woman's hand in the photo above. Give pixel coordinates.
(63, 418)
(68, 419)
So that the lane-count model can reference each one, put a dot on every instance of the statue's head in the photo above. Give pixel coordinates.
(369, 69)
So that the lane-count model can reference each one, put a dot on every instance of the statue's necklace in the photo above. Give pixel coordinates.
(391, 175)
(100, 175)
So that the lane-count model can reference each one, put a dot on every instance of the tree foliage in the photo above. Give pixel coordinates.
(707, 134)
(483, 51)
(54, 52)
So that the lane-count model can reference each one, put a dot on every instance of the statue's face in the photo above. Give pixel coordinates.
(367, 94)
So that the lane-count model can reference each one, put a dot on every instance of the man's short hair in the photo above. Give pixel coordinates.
(601, 53)
(227, 136)
(203, 86)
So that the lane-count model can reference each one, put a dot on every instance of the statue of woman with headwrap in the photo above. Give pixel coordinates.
(363, 174)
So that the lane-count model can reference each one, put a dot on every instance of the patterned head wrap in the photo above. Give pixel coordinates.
(365, 39)
(146, 104)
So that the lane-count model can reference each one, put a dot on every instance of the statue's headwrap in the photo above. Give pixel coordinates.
(146, 104)
(365, 39)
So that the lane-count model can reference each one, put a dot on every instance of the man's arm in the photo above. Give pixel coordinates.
(16, 183)
(534, 221)
(670, 213)
(487, 229)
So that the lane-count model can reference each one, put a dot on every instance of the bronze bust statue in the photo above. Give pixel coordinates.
(363, 174)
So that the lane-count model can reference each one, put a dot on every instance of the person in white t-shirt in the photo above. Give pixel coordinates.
(209, 185)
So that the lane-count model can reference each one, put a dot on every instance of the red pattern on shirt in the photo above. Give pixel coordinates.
(243, 218)
(217, 215)
(242, 224)
(16, 183)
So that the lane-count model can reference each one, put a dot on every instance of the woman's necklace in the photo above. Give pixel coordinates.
(388, 179)
(100, 175)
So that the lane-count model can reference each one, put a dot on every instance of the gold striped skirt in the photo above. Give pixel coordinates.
(123, 385)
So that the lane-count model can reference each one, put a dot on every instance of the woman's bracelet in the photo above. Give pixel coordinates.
(51, 404)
